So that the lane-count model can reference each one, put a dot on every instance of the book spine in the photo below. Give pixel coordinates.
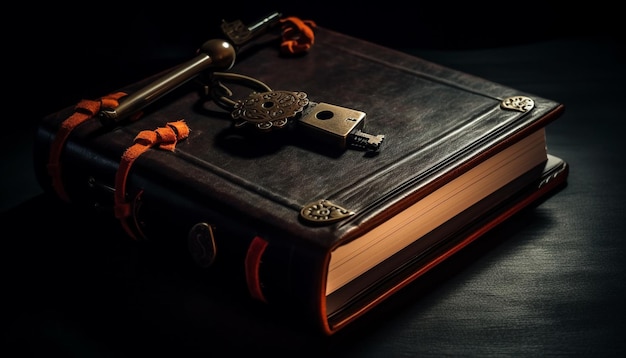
(244, 257)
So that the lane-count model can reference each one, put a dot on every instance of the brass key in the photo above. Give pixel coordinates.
(216, 54)
(269, 110)
(239, 34)
(339, 127)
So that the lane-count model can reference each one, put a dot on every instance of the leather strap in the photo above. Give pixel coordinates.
(165, 138)
(253, 261)
(83, 111)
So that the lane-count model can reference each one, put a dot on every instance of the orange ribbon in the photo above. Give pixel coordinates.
(297, 35)
(83, 111)
(166, 138)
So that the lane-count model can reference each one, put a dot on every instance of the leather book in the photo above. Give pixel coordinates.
(319, 223)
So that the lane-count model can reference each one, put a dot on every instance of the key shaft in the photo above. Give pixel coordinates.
(216, 54)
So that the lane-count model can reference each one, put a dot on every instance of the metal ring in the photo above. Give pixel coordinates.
(220, 93)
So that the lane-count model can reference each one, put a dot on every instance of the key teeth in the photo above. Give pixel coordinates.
(239, 34)
(366, 142)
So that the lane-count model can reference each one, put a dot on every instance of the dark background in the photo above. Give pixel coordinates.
(549, 282)
(61, 54)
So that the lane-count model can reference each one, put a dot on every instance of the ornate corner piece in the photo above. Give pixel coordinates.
(324, 212)
(518, 103)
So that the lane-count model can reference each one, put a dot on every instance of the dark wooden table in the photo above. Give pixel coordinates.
(551, 281)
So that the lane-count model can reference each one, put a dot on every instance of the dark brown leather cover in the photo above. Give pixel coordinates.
(437, 122)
